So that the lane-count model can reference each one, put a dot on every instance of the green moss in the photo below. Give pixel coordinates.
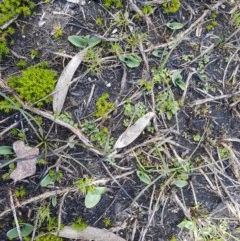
(34, 84)
(49, 237)
(21, 64)
(113, 3)
(3, 47)
(10, 8)
(104, 106)
(172, 6)
(80, 224)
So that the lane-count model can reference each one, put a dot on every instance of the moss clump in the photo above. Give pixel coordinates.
(172, 6)
(79, 224)
(49, 237)
(104, 106)
(113, 3)
(34, 84)
(11, 8)
(3, 47)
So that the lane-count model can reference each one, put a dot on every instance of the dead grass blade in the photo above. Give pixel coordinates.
(89, 233)
(64, 81)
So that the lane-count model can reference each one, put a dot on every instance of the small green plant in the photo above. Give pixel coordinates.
(100, 136)
(213, 22)
(236, 17)
(66, 117)
(20, 192)
(197, 137)
(104, 106)
(99, 21)
(166, 104)
(85, 185)
(58, 32)
(133, 112)
(34, 84)
(172, 6)
(147, 9)
(80, 224)
(34, 53)
(107, 222)
(6, 175)
(93, 61)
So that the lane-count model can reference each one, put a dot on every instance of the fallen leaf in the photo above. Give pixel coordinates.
(26, 166)
(64, 81)
(89, 233)
(132, 133)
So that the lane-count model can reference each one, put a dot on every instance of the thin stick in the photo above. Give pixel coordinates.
(15, 215)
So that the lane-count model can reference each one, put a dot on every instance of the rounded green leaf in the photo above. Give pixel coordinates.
(46, 181)
(93, 197)
(174, 25)
(25, 230)
(144, 177)
(178, 80)
(92, 41)
(180, 183)
(131, 61)
(6, 150)
(159, 53)
(78, 41)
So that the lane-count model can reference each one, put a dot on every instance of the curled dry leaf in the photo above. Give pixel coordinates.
(26, 166)
(89, 233)
(132, 133)
(64, 81)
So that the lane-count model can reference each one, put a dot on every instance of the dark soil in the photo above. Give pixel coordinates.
(202, 138)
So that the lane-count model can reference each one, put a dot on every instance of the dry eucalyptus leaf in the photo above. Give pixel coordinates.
(89, 233)
(132, 133)
(64, 81)
(26, 166)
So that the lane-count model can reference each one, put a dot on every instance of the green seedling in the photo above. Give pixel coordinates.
(107, 222)
(213, 22)
(93, 60)
(34, 54)
(20, 192)
(113, 3)
(58, 32)
(66, 117)
(166, 104)
(51, 177)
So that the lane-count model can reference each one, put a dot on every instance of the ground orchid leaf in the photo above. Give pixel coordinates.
(178, 80)
(131, 61)
(27, 158)
(25, 230)
(6, 150)
(64, 81)
(46, 181)
(93, 40)
(132, 133)
(93, 197)
(175, 25)
(78, 41)
(144, 177)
